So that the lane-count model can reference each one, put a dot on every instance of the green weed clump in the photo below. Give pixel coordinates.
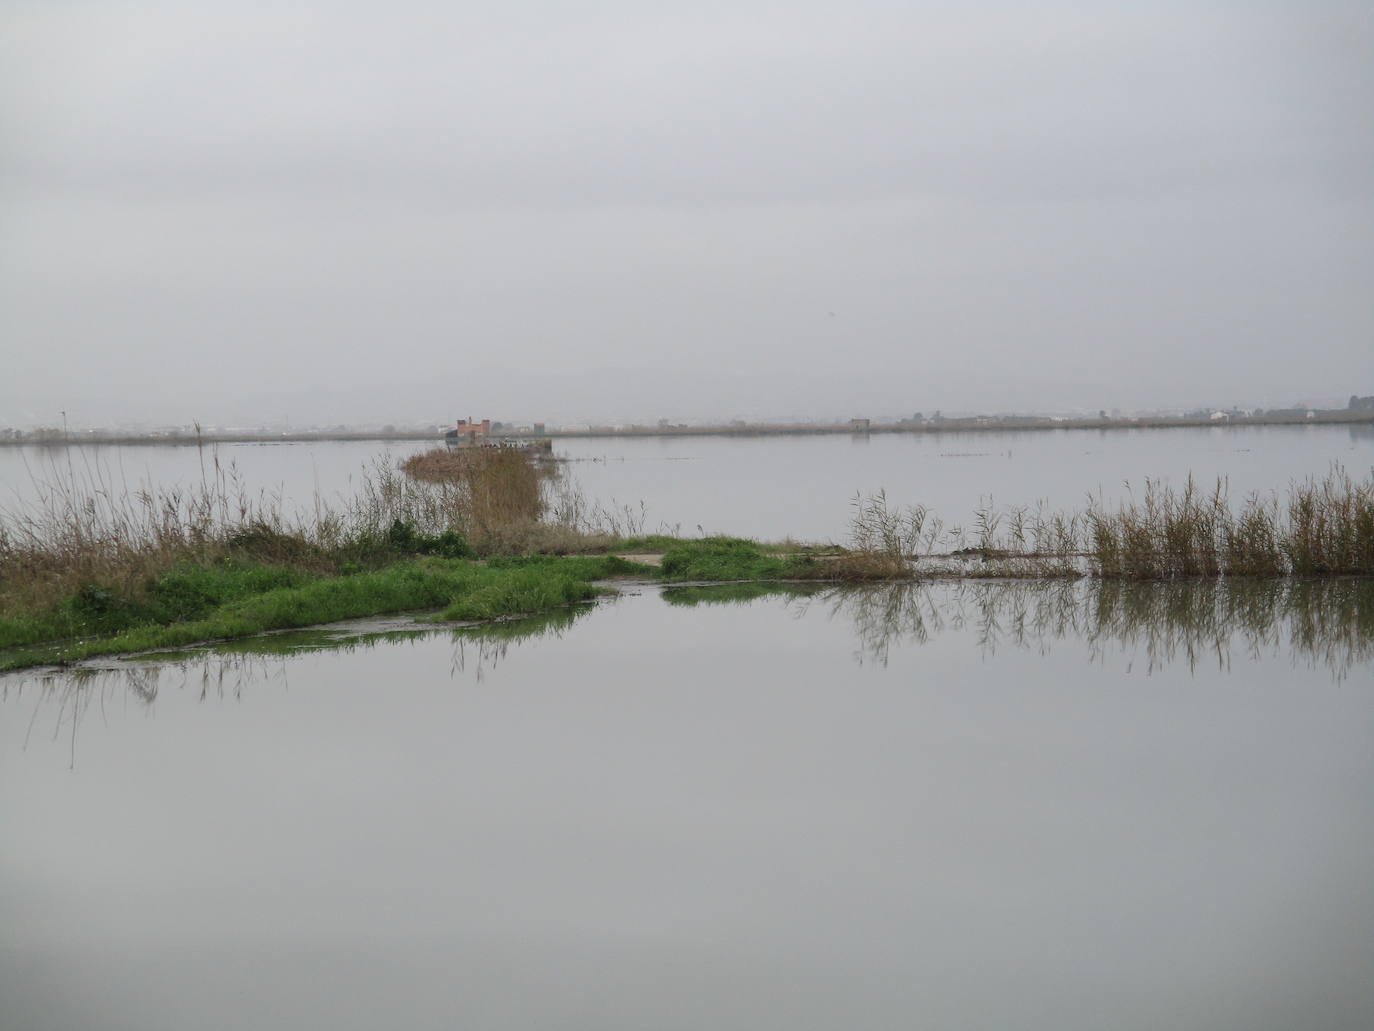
(518, 592)
(184, 593)
(403, 538)
(721, 558)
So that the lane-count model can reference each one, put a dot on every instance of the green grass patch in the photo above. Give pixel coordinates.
(517, 592)
(723, 558)
(204, 604)
(584, 567)
(184, 593)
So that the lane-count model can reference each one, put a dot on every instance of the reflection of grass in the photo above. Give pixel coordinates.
(346, 638)
(303, 642)
(735, 593)
(290, 642)
(490, 642)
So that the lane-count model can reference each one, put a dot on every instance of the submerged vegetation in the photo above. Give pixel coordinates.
(93, 569)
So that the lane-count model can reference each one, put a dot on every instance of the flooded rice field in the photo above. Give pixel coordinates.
(1033, 805)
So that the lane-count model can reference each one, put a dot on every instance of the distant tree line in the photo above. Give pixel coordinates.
(1361, 404)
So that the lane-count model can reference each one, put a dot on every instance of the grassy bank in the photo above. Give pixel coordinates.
(194, 604)
(233, 596)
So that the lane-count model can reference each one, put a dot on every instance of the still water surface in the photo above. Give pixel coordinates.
(964, 805)
(774, 487)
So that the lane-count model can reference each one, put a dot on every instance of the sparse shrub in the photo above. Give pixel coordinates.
(403, 538)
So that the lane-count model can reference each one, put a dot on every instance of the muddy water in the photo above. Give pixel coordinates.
(769, 487)
(975, 805)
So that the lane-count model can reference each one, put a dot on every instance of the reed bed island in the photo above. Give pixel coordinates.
(95, 568)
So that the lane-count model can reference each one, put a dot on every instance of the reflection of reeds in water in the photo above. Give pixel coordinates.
(482, 648)
(224, 670)
(65, 699)
(1000, 612)
(736, 593)
(1326, 623)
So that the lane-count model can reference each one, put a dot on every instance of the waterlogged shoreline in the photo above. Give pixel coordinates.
(429, 594)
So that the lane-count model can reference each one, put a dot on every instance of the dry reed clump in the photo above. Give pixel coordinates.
(484, 496)
(83, 530)
(86, 529)
(888, 542)
(1330, 527)
(1326, 528)
(1165, 535)
(454, 465)
(512, 501)
(884, 541)
(488, 492)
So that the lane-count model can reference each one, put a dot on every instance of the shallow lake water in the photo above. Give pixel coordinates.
(1045, 805)
(769, 487)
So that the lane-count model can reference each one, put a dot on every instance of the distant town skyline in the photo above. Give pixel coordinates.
(74, 423)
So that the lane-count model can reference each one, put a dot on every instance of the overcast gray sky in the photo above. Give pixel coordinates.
(346, 211)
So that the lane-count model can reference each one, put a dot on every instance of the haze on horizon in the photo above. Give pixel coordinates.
(538, 210)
